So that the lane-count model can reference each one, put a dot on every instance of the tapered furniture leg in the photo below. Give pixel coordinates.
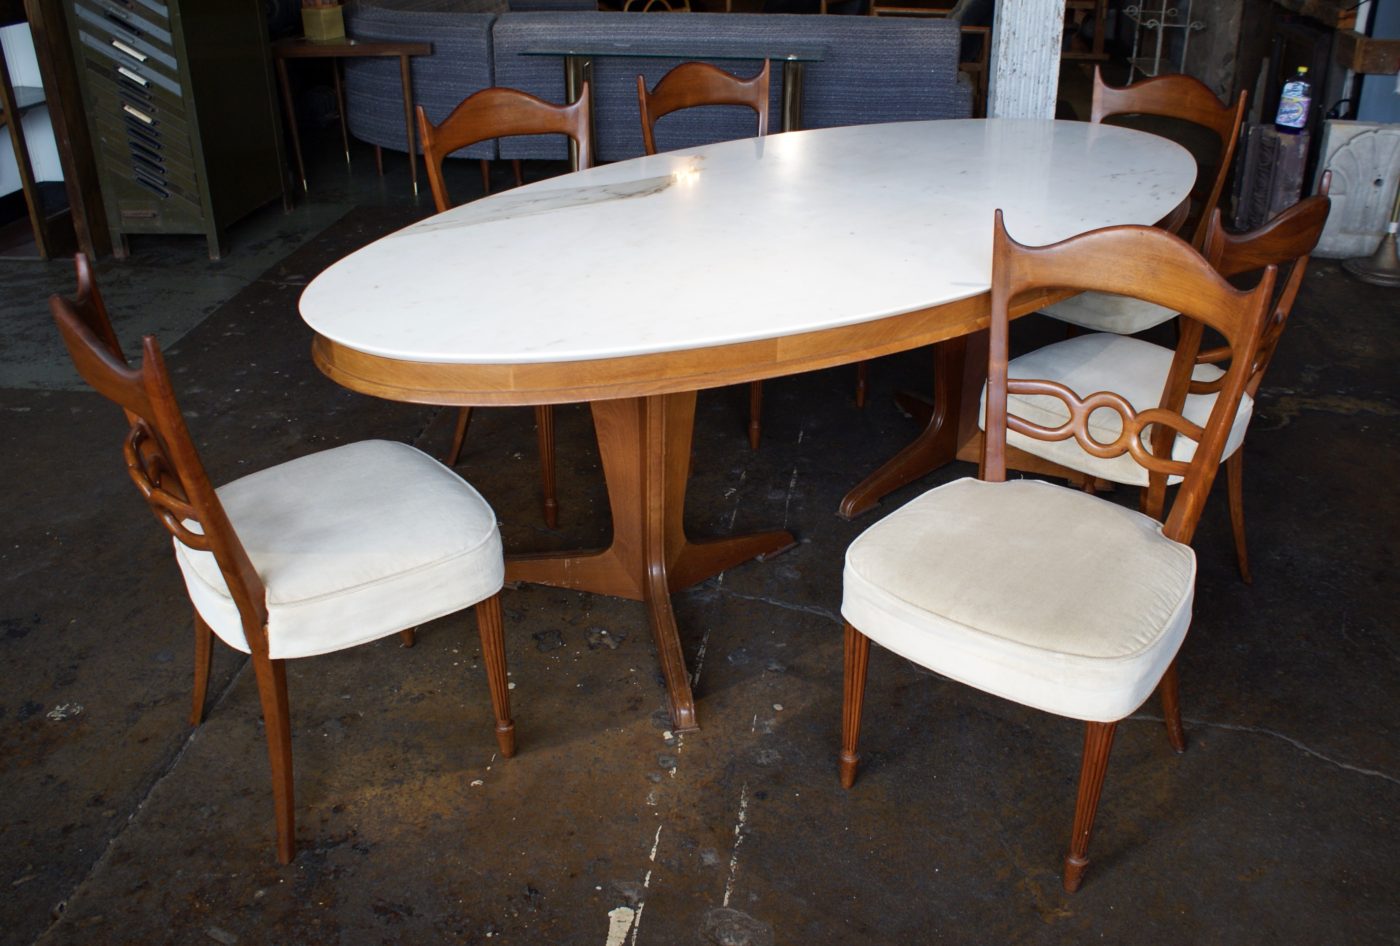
(862, 381)
(853, 700)
(544, 431)
(340, 108)
(493, 655)
(755, 413)
(281, 66)
(203, 656)
(645, 449)
(459, 436)
(1098, 740)
(485, 176)
(407, 637)
(1234, 481)
(1171, 708)
(519, 170)
(272, 692)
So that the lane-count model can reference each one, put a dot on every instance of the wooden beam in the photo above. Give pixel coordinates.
(1365, 54)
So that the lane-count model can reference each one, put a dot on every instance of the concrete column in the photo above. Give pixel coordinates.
(1025, 62)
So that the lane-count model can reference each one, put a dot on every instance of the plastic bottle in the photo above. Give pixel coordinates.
(1293, 104)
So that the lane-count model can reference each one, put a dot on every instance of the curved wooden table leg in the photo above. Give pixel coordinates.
(645, 447)
(955, 371)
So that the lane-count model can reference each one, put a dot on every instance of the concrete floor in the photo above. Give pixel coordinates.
(118, 824)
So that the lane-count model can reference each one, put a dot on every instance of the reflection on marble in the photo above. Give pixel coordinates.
(747, 239)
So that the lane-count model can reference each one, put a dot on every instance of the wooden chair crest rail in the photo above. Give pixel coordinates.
(421, 542)
(501, 113)
(693, 84)
(1183, 99)
(1040, 594)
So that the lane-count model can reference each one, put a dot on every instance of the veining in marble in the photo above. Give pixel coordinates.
(525, 202)
(749, 239)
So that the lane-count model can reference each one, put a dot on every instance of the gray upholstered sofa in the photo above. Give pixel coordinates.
(872, 69)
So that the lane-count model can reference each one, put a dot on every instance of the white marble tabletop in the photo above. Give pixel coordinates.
(743, 240)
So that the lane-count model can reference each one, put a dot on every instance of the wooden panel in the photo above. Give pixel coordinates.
(1338, 14)
(1364, 54)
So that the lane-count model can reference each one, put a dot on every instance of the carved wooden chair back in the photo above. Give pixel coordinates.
(1189, 100)
(1286, 241)
(501, 113)
(160, 456)
(1146, 263)
(89, 307)
(698, 83)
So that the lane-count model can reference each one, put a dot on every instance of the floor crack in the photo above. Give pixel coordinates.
(1262, 731)
(786, 605)
(161, 776)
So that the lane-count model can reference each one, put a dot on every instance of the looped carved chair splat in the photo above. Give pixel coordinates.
(1041, 594)
(308, 557)
(1151, 375)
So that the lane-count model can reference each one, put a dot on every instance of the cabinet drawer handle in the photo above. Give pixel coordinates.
(140, 80)
(133, 53)
(138, 115)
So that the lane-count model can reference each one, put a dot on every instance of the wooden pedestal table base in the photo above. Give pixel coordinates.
(645, 446)
(960, 369)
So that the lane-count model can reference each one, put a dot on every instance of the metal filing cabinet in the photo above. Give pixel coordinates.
(180, 102)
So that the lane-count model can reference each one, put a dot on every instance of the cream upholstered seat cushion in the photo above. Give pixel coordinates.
(1034, 592)
(1102, 362)
(352, 544)
(1106, 312)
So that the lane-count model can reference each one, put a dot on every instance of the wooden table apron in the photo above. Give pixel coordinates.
(643, 407)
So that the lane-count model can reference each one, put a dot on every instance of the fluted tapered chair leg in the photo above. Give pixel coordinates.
(1098, 740)
(852, 702)
(493, 656)
(519, 172)
(485, 176)
(459, 436)
(1234, 482)
(272, 692)
(755, 413)
(1171, 708)
(203, 657)
(544, 430)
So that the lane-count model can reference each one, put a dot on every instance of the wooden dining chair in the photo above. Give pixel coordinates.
(1182, 99)
(689, 85)
(503, 113)
(308, 557)
(1038, 593)
(693, 84)
(1139, 369)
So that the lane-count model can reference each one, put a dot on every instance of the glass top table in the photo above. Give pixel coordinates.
(578, 63)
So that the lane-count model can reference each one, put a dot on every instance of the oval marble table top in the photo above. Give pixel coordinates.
(743, 240)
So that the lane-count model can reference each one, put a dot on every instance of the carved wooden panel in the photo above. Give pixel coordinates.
(1270, 180)
(1364, 159)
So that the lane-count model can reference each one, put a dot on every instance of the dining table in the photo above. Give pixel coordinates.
(632, 286)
